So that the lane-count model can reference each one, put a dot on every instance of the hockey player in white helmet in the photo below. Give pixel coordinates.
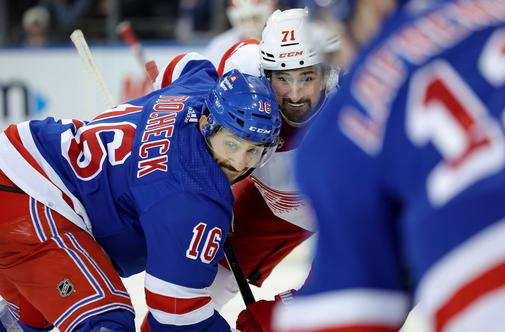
(247, 18)
(294, 63)
(270, 215)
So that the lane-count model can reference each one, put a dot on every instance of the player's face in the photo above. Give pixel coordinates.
(233, 154)
(298, 91)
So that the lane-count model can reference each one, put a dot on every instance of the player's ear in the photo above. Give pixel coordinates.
(202, 122)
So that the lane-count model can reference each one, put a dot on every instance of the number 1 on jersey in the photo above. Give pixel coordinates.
(444, 111)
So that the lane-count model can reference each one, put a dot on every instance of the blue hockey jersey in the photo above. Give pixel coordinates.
(405, 170)
(140, 179)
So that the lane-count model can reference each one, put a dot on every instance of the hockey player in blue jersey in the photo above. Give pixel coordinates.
(143, 186)
(405, 170)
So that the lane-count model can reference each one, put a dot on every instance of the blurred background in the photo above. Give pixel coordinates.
(36, 23)
(42, 75)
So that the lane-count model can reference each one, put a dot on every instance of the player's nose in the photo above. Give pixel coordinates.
(238, 161)
(295, 93)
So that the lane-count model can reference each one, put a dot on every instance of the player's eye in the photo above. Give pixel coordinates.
(231, 146)
(253, 151)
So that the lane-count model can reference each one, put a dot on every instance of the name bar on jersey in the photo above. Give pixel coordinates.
(159, 128)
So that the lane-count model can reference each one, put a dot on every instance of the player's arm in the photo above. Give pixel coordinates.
(260, 240)
(184, 235)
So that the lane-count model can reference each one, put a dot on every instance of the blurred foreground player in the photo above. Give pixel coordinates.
(405, 170)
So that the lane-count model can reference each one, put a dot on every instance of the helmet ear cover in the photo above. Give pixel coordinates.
(211, 127)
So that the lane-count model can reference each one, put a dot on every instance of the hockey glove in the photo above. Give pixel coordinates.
(257, 317)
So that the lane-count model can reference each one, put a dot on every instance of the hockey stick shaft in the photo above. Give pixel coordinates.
(243, 285)
(130, 38)
(128, 35)
(82, 47)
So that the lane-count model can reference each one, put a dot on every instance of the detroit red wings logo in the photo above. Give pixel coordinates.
(279, 201)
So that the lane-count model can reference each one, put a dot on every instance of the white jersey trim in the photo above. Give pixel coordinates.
(342, 308)
(485, 315)
(224, 287)
(166, 288)
(26, 137)
(177, 69)
(193, 317)
(477, 255)
(162, 287)
(19, 171)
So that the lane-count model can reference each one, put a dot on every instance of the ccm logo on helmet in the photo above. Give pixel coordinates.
(290, 54)
(260, 130)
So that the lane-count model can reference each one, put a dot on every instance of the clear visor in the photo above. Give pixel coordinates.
(238, 151)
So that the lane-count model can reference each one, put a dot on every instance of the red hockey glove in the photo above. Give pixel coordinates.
(257, 317)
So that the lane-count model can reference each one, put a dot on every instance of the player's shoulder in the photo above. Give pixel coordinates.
(171, 156)
(190, 69)
(244, 55)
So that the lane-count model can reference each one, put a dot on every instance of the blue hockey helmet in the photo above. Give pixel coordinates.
(246, 106)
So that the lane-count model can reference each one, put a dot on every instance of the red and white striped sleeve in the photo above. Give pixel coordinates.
(173, 304)
(244, 56)
(24, 164)
(174, 69)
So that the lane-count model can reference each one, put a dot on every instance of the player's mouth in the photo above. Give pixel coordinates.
(230, 171)
(299, 105)
(296, 105)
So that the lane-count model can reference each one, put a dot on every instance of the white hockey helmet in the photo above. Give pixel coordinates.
(287, 41)
(249, 16)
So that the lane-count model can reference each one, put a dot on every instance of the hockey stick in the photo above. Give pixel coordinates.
(128, 35)
(82, 47)
(243, 285)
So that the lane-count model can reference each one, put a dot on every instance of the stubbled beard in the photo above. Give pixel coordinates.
(230, 168)
(296, 115)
